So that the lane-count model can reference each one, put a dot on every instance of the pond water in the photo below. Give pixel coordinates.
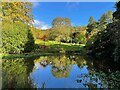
(59, 71)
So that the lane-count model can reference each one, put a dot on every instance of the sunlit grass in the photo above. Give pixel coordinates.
(54, 47)
(37, 41)
(59, 47)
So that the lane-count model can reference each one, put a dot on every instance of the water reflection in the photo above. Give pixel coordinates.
(66, 72)
(59, 71)
(15, 73)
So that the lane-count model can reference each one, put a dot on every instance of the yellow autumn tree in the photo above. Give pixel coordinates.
(17, 11)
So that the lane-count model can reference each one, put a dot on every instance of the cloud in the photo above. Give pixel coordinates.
(40, 25)
(72, 4)
(35, 4)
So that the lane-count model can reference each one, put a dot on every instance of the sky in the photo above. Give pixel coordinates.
(78, 12)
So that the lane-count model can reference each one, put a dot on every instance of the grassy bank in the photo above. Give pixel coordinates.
(57, 47)
(5, 56)
(8, 56)
(38, 41)
(49, 48)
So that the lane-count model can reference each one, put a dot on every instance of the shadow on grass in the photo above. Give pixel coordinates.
(43, 50)
(59, 48)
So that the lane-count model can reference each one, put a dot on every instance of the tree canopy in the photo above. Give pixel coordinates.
(60, 21)
(17, 11)
(16, 32)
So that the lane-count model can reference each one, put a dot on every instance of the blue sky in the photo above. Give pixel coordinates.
(79, 13)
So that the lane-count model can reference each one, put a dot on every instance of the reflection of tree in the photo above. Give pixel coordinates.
(61, 67)
(91, 80)
(43, 60)
(15, 73)
(61, 73)
(83, 61)
(98, 75)
(112, 79)
(86, 78)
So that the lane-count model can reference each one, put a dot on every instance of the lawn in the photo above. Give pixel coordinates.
(54, 46)
(37, 41)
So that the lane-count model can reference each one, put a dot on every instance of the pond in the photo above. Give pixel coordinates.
(59, 71)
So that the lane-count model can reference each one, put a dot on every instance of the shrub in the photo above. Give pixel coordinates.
(16, 38)
(117, 54)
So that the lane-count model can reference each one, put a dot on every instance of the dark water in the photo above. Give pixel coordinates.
(59, 71)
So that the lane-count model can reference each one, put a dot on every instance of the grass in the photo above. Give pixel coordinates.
(37, 41)
(53, 47)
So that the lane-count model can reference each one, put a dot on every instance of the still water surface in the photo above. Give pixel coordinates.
(58, 71)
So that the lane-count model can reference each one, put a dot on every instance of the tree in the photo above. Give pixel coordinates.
(91, 26)
(16, 33)
(62, 29)
(116, 14)
(105, 19)
(116, 33)
(80, 38)
(107, 41)
(44, 38)
(95, 29)
(91, 21)
(109, 17)
(78, 34)
(52, 34)
(16, 38)
(17, 11)
(62, 33)
(59, 21)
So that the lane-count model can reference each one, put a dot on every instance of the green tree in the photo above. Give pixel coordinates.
(105, 19)
(80, 38)
(78, 34)
(16, 37)
(62, 29)
(116, 32)
(116, 14)
(52, 34)
(60, 21)
(109, 17)
(107, 41)
(91, 26)
(16, 34)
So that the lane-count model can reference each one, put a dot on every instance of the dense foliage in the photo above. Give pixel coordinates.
(15, 73)
(60, 21)
(101, 37)
(17, 11)
(62, 34)
(16, 34)
(16, 38)
(105, 43)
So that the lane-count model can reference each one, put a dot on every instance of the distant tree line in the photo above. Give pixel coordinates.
(102, 37)
(62, 31)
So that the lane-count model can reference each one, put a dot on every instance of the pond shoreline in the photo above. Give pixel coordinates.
(73, 69)
(25, 55)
